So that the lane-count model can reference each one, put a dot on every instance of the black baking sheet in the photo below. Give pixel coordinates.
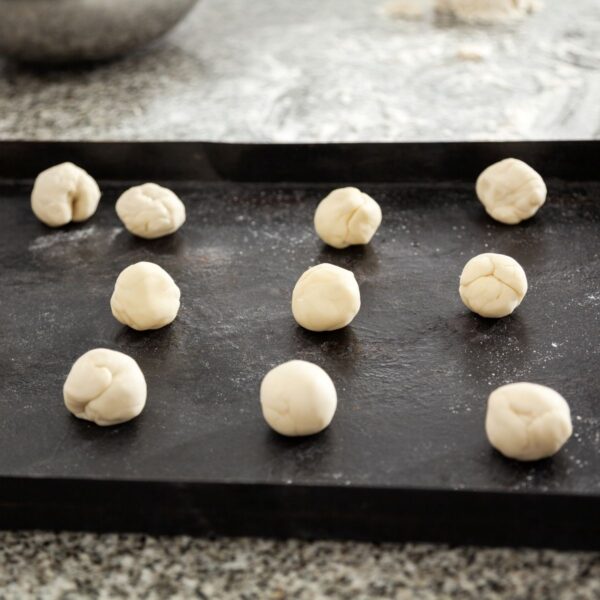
(406, 457)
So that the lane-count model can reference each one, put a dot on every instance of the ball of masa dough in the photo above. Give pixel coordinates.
(145, 297)
(492, 285)
(325, 298)
(527, 421)
(106, 387)
(298, 398)
(511, 191)
(64, 193)
(150, 211)
(346, 217)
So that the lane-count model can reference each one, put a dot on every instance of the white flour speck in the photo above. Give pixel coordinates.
(62, 237)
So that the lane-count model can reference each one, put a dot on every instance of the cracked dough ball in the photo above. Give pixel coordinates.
(150, 211)
(105, 387)
(527, 421)
(298, 398)
(492, 285)
(511, 191)
(145, 297)
(325, 298)
(346, 217)
(64, 193)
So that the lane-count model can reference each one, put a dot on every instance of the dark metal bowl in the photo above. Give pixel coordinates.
(80, 30)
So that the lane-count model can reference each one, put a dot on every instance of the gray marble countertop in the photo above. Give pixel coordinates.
(315, 70)
(321, 70)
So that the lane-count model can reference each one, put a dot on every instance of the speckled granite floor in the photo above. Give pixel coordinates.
(48, 565)
(313, 70)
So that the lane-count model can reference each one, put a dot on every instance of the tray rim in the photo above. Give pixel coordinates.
(299, 162)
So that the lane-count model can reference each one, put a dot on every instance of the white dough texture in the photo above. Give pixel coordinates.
(106, 387)
(492, 285)
(346, 217)
(511, 191)
(325, 298)
(64, 193)
(527, 421)
(145, 297)
(298, 398)
(150, 211)
(487, 11)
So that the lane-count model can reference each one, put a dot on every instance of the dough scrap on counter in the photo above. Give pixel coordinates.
(145, 297)
(527, 421)
(492, 285)
(150, 211)
(325, 298)
(511, 191)
(298, 398)
(106, 387)
(406, 9)
(346, 217)
(488, 11)
(64, 193)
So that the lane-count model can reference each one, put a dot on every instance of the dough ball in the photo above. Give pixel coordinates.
(298, 398)
(145, 297)
(346, 217)
(527, 421)
(150, 211)
(105, 387)
(325, 298)
(64, 193)
(487, 11)
(492, 285)
(511, 191)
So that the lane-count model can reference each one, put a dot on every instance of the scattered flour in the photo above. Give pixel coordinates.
(61, 237)
(44, 242)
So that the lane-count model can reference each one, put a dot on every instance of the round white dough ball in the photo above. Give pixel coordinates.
(511, 191)
(492, 285)
(527, 421)
(325, 298)
(150, 211)
(298, 398)
(106, 387)
(64, 193)
(346, 217)
(145, 297)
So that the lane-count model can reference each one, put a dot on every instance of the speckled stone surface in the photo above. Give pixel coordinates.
(314, 70)
(46, 565)
(320, 70)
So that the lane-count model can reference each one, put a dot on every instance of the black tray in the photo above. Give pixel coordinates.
(406, 456)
